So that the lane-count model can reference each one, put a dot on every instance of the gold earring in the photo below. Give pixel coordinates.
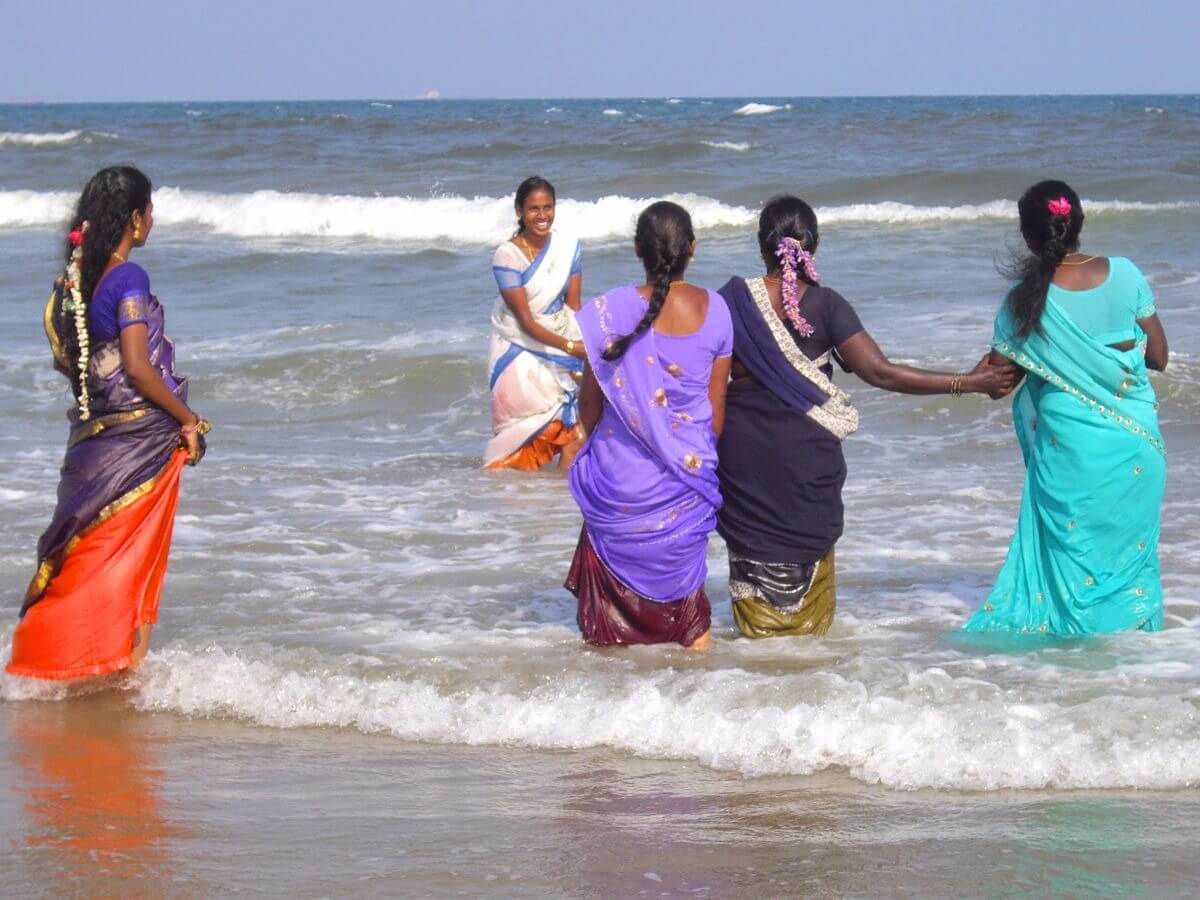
(137, 233)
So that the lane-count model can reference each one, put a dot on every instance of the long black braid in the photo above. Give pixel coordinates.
(663, 239)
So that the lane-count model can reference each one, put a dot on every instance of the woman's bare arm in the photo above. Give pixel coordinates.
(575, 291)
(591, 400)
(1156, 342)
(869, 363)
(146, 379)
(518, 303)
(718, 384)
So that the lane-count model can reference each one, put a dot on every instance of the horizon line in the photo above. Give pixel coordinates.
(595, 98)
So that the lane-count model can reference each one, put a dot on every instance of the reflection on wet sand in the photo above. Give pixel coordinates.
(90, 788)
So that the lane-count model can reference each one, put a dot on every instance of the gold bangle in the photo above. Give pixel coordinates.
(570, 346)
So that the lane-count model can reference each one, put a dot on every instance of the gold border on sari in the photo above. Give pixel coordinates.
(50, 566)
(836, 415)
(96, 426)
(1129, 423)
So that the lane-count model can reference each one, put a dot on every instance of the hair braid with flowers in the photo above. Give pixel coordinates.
(101, 216)
(787, 240)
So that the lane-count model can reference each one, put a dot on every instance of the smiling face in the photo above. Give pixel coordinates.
(537, 214)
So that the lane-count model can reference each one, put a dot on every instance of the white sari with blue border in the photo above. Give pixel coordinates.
(531, 382)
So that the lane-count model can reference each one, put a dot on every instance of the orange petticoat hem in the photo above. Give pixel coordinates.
(547, 444)
(109, 586)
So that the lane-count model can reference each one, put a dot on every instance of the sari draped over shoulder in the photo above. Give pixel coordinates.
(1084, 556)
(102, 560)
(534, 406)
(646, 480)
(781, 462)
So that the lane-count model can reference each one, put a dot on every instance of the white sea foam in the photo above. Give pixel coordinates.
(759, 109)
(674, 101)
(554, 109)
(421, 222)
(986, 738)
(27, 139)
(613, 112)
(737, 146)
(380, 105)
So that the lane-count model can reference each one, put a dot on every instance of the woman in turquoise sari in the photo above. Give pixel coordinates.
(1084, 558)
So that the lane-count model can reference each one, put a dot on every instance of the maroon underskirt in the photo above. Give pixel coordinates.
(610, 613)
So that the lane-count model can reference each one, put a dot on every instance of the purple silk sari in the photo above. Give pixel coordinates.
(125, 443)
(646, 480)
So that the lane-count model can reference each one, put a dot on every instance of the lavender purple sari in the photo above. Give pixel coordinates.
(116, 454)
(646, 480)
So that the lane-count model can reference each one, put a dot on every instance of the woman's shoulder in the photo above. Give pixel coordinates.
(1124, 266)
(508, 256)
(718, 308)
(124, 280)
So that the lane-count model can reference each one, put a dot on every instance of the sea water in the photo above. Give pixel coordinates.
(342, 562)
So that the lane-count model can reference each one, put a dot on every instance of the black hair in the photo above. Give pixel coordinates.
(663, 239)
(1049, 237)
(524, 189)
(107, 203)
(787, 216)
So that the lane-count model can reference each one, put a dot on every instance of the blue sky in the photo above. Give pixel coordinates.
(269, 49)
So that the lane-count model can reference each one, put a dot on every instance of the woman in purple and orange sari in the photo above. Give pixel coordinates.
(652, 404)
(101, 563)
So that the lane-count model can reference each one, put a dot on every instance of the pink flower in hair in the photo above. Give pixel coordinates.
(1060, 208)
(792, 256)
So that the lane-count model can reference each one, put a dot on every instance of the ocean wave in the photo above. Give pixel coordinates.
(751, 722)
(52, 138)
(613, 112)
(759, 109)
(456, 222)
(737, 146)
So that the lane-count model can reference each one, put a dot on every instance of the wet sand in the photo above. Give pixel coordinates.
(100, 800)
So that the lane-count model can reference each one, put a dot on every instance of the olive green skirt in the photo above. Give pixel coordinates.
(775, 599)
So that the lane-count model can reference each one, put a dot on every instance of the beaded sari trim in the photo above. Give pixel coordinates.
(836, 415)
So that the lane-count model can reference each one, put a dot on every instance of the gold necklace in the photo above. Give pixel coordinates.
(1078, 262)
(529, 251)
(116, 255)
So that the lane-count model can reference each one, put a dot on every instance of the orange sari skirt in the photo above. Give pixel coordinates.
(107, 587)
(543, 448)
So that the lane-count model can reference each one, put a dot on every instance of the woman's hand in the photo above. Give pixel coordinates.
(191, 439)
(191, 443)
(576, 349)
(996, 378)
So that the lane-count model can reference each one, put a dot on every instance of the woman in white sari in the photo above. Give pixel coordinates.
(536, 352)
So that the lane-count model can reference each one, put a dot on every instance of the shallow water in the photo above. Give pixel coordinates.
(341, 563)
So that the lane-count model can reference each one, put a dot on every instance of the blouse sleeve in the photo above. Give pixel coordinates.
(577, 262)
(134, 301)
(1144, 303)
(507, 266)
(843, 320)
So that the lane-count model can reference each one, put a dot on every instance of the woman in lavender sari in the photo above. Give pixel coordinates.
(91, 604)
(653, 404)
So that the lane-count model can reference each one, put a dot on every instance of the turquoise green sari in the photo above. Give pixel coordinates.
(1084, 557)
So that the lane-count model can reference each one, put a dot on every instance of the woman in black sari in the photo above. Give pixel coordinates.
(781, 462)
